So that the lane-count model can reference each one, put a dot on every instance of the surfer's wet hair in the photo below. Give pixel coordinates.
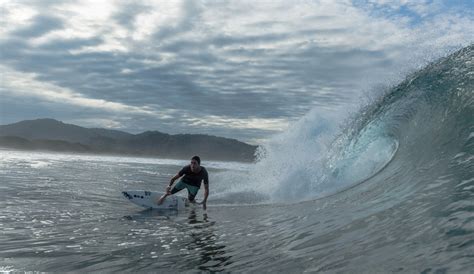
(197, 159)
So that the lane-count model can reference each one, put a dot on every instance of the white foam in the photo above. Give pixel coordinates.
(290, 163)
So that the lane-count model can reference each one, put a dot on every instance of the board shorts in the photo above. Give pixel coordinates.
(192, 190)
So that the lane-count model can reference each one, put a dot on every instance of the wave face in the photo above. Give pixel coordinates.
(409, 136)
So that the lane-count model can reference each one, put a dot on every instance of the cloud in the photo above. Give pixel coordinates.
(42, 24)
(241, 68)
(25, 85)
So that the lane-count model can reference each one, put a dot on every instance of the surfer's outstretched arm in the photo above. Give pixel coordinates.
(162, 198)
(168, 189)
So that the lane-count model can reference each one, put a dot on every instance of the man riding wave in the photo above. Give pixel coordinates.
(193, 174)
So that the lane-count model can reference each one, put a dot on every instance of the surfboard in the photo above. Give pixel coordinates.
(148, 199)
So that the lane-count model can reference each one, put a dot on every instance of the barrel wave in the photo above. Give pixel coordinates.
(413, 134)
(395, 186)
(389, 190)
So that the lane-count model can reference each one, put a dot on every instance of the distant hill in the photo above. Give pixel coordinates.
(53, 135)
(56, 130)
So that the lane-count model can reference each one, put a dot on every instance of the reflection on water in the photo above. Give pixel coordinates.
(189, 239)
(212, 252)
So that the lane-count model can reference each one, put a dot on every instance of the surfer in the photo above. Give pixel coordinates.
(194, 174)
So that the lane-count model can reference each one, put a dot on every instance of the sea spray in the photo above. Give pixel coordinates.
(289, 165)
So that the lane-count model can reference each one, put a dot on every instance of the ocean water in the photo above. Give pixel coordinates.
(389, 190)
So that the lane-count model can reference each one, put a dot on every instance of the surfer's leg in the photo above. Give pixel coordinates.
(178, 187)
(192, 192)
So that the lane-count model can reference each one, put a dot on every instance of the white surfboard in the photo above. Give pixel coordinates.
(149, 199)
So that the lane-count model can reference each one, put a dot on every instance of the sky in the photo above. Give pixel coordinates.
(237, 69)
